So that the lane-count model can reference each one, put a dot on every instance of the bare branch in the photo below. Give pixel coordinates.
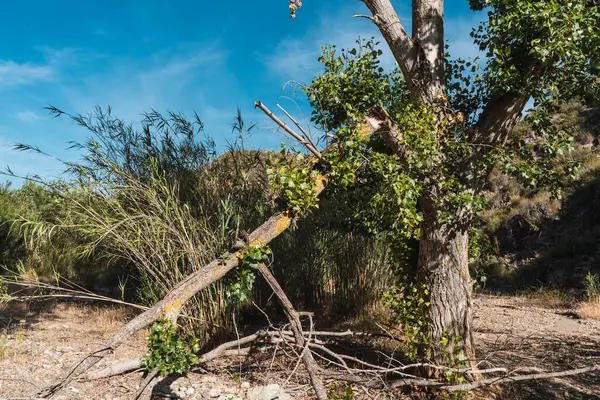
(306, 135)
(402, 46)
(309, 362)
(369, 17)
(287, 129)
(147, 383)
(507, 379)
(119, 368)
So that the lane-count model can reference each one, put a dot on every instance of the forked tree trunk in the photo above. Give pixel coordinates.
(443, 268)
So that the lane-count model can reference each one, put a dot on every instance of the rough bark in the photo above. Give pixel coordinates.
(420, 57)
(499, 117)
(428, 32)
(443, 268)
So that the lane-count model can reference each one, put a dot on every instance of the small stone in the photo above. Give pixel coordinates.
(269, 392)
(230, 390)
(181, 390)
(190, 391)
(245, 385)
(214, 392)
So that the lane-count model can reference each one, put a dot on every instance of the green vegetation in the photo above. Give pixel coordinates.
(451, 191)
(167, 353)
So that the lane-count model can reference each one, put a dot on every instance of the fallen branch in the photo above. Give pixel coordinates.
(119, 368)
(61, 292)
(147, 383)
(372, 376)
(309, 362)
(134, 364)
(500, 380)
(170, 306)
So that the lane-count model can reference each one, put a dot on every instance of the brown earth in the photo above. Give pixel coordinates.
(37, 346)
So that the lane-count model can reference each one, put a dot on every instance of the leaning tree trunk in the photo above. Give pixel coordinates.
(443, 268)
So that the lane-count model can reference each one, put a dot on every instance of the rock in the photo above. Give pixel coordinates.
(269, 392)
(181, 391)
(230, 390)
(209, 379)
(245, 385)
(229, 397)
(190, 391)
(214, 392)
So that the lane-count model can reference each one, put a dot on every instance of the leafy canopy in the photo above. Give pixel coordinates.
(547, 51)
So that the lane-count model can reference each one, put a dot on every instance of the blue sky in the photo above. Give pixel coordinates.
(207, 56)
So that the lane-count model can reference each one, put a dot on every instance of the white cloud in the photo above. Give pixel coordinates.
(174, 79)
(27, 116)
(178, 66)
(296, 58)
(15, 74)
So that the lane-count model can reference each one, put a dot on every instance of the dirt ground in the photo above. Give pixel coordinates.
(39, 346)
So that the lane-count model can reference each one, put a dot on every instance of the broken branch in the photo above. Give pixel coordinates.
(288, 130)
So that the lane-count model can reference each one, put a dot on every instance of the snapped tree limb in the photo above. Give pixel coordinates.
(171, 305)
(309, 362)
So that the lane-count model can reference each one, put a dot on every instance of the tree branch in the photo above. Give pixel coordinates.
(428, 34)
(289, 130)
(420, 58)
(171, 305)
(309, 362)
(402, 46)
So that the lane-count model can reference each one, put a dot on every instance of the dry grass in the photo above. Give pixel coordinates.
(3, 344)
(547, 298)
(107, 316)
(590, 309)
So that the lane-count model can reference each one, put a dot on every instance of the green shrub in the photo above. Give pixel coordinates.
(167, 352)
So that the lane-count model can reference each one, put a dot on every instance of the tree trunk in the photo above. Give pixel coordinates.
(443, 268)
